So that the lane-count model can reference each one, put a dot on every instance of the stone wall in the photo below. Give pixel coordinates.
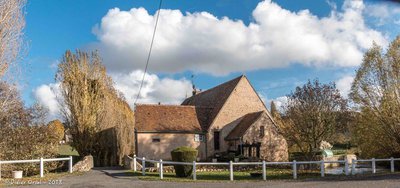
(273, 145)
(242, 101)
(86, 164)
(128, 164)
(168, 141)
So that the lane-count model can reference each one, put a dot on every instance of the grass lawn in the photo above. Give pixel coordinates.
(272, 174)
(67, 150)
(49, 178)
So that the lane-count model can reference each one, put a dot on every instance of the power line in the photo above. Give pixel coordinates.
(150, 50)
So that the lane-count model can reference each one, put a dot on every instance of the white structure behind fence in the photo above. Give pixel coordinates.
(41, 163)
(160, 163)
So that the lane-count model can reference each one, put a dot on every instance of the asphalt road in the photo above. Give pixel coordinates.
(116, 178)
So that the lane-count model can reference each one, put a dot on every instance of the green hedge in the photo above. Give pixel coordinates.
(183, 154)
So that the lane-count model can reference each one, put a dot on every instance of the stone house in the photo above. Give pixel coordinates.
(230, 117)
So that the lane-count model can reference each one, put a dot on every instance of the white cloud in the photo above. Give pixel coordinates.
(344, 85)
(280, 102)
(46, 95)
(384, 12)
(201, 42)
(155, 89)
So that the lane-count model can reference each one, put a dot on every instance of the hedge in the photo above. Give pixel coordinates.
(183, 154)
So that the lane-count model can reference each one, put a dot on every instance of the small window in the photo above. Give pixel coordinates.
(262, 131)
(156, 140)
(199, 138)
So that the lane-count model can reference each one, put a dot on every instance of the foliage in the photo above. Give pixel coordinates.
(313, 113)
(21, 138)
(82, 80)
(12, 110)
(376, 94)
(56, 128)
(100, 120)
(274, 110)
(183, 154)
(39, 144)
(12, 23)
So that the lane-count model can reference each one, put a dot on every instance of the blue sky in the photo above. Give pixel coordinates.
(276, 44)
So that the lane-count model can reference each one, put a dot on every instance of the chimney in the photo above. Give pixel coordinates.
(159, 103)
(194, 92)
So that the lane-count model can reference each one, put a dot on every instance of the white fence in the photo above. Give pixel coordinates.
(264, 164)
(41, 163)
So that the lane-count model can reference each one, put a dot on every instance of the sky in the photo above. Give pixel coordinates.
(277, 44)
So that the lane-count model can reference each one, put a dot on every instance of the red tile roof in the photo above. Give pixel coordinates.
(170, 118)
(213, 98)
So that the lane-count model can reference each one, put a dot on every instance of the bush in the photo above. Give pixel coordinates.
(183, 154)
(56, 128)
(18, 147)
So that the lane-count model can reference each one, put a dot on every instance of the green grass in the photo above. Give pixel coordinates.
(67, 150)
(272, 174)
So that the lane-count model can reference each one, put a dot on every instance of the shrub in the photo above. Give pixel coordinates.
(183, 154)
(56, 128)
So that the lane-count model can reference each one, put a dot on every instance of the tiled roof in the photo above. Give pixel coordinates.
(213, 98)
(243, 125)
(170, 118)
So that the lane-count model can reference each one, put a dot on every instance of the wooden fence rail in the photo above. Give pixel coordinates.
(160, 164)
(41, 163)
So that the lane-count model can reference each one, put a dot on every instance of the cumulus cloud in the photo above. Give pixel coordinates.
(344, 85)
(46, 95)
(202, 42)
(155, 89)
(280, 102)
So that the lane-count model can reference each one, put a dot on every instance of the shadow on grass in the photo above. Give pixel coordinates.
(273, 174)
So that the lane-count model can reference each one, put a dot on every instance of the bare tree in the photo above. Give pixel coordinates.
(312, 114)
(12, 23)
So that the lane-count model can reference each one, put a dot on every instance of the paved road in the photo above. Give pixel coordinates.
(116, 178)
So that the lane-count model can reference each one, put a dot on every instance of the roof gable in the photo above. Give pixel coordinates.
(214, 98)
(247, 121)
(170, 118)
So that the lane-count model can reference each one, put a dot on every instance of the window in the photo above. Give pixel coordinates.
(262, 131)
(216, 140)
(156, 140)
(199, 138)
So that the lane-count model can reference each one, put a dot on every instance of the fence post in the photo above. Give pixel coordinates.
(353, 167)
(346, 167)
(322, 168)
(194, 170)
(231, 170)
(294, 169)
(134, 163)
(264, 170)
(143, 166)
(161, 170)
(391, 165)
(41, 167)
(373, 166)
(70, 164)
